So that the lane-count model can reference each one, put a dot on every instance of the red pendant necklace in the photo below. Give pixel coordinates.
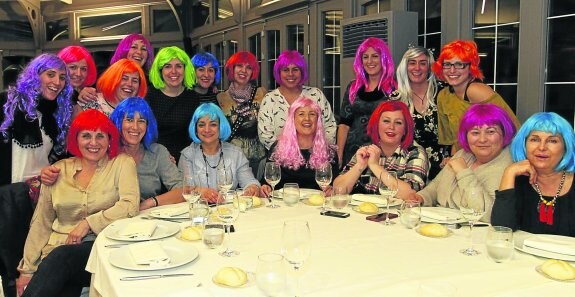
(546, 207)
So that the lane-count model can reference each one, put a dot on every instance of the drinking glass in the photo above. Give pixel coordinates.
(323, 178)
(224, 178)
(472, 208)
(270, 274)
(273, 175)
(189, 189)
(245, 202)
(340, 198)
(499, 243)
(410, 213)
(213, 235)
(388, 187)
(296, 246)
(228, 213)
(199, 213)
(291, 194)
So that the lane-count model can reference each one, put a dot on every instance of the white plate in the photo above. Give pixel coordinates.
(541, 253)
(179, 252)
(163, 229)
(157, 215)
(451, 212)
(357, 199)
(303, 193)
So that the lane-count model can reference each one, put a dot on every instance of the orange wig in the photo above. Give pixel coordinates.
(110, 79)
(463, 49)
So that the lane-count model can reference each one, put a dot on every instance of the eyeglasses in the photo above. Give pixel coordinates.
(457, 65)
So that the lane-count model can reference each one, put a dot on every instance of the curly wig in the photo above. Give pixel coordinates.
(214, 113)
(125, 45)
(164, 56)
(386, 83)
(287, 152)
(75, 53)
(111, 78)
(243, 57)
(205, 58)
(127, 109)
(373, 124)
(286, 58)
(93, 120)
(404, 86)
(27, 93)
(466, 51)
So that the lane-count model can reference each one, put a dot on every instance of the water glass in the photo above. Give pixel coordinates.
(340, 198)
(245, 201)
(271, 274)
(213, 235)
(499, 243)
(291, 194)
(199, 213)
(410, 213)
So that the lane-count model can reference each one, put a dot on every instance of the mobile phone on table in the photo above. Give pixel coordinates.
(208, 226)
(380, 217)
(333, 213)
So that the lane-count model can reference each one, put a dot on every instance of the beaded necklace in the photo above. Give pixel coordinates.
(210, 165)
(546, 207)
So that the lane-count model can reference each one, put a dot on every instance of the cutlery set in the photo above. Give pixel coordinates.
(153, 276)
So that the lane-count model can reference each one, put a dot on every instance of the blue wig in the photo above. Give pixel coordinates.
(27, 93)
(205, 58)
(549, 122)
(130, 106)
(214, 113)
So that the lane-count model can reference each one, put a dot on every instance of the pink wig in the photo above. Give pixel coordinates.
(373, 124)
(287, 152)
(463, 49)
(110, 79)
(93, 120)
(125, 45)
(386, 83)
(75, 53)
(243, 57)
(286, 58)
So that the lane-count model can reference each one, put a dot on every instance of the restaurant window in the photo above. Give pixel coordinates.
(15, 24)
(331, 51)
(164, 20)
(57, 29)
(224, 9)
(200, 13)
(295, 38)
(110, 25)
(255, 3)
(429, 23)
(375, 6)
(273, 51)
(255, 47)
(219, 53)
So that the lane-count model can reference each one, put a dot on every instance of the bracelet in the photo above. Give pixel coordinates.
(155, 201)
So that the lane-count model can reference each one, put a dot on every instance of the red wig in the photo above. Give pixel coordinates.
(243, 57)
(75, 53)
(373, 124)
(463, 49)
(110, 79)
(92, 119)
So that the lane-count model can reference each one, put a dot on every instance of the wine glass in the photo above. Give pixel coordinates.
(228, 213)
(388, 187)
(472, 208)
(296, 246)
(323, 178)
(273, 175)
(225, 179)
(270, 274)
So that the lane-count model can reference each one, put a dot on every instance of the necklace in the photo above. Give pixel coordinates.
(419, 97)
(546, 207)
(210, 165)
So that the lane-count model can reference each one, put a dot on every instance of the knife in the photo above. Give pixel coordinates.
(153, 276)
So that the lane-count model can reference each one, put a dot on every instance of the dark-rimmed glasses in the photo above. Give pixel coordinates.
(457, 65)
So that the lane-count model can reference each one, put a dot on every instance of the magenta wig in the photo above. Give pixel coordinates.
(286, 58)
(243, 57)
(287, 152)
(387, 83)
(373, 124)
(485, 114)
(466, 51)
(75, 53)
(125, 45)
(93, 120)
(27, 93)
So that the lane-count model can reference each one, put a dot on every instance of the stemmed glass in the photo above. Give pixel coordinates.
(225, 179)
(323, 178)
(388, 187)
(273, 175)
(189, 190)
(472, 208)
(228, 213)
(296, 246)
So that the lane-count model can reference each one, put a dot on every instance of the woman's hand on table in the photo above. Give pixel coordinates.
(76, 235)
(21, 283)
(328, 191)
(265, 191)
(49, 175)
(208, 194)
(251, 190)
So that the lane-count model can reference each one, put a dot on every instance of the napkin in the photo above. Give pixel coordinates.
(138, 230)
(377, 199)
(439, 214)
(149, 253)
(555, 244)
(171, 211)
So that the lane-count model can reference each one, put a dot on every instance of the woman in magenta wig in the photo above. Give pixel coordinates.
(390, 128)
(81, 67)
(373, 84)
(302, 146)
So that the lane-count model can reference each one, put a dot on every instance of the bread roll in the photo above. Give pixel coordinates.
(368, 207)
(433, 230)
(191, 233)
(316, 199)
(257, 201)
(557, 269)
(231, 276)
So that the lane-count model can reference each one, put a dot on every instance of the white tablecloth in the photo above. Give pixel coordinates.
(350, 257)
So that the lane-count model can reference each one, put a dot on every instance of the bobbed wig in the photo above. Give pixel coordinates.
(549, 122)
(243, 57)
(205, 58)
(93, 120)
(75, 53)
(111, 78)
(403, 85)
(373, 124)
(287, 152)
(125, 45)
(286, 58)
(485, 114)
(386, 82)
(164, 56)
(466, 51)
(27, 93)
(213, 112)
(127, 109)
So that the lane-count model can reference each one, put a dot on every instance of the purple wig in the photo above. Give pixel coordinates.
(125, 45)
(386, 82)
(287, 152)
(24, 97)
(485, 114)
(286, 58)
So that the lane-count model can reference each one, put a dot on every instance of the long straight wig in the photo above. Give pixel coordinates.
(404, 87)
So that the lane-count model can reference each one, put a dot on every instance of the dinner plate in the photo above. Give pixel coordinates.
(357, 199)
(441, 211)
(179, 252)
(159, 215)
(303, 193)
(417, 229)
(538, 269)
(250, 282)
(518, 242)
(163, 229)
(356, 208)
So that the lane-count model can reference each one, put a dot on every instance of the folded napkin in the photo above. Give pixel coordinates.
(440, 214)
(138, 230)
(171, 211)
(378, 199)
(149, 253)
(552, 243)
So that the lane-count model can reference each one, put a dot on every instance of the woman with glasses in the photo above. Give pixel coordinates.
(458, 65)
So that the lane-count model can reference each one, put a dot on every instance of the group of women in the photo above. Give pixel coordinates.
(148, 113)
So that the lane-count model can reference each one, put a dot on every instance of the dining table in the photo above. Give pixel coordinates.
(349, 256)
